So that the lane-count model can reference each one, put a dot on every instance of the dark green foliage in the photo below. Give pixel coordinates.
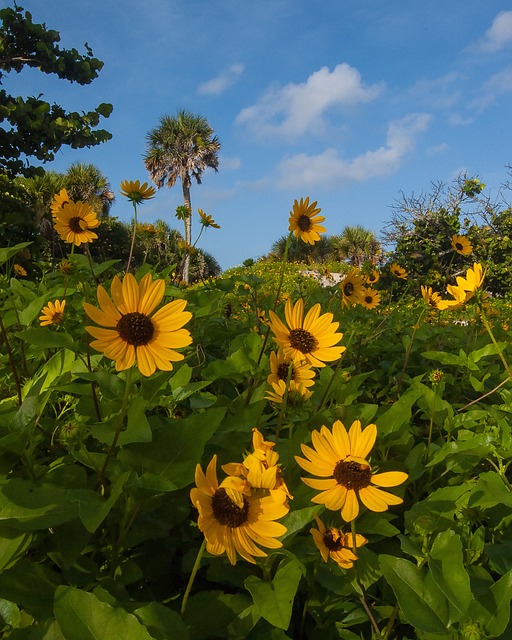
(34, 127)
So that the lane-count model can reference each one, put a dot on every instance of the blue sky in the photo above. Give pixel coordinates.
(349, 102)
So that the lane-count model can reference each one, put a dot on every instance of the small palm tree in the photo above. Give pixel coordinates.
(181, 147)
(356, 244)
(87, 183)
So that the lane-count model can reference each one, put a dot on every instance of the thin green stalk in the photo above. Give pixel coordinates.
(11, 361)
(120, 423)
(362, 598)
(195, 569)
(491, 334)
(409, 349)
(134, 233)
(278, 292)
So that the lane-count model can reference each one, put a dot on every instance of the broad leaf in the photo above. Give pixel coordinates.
(275, 599)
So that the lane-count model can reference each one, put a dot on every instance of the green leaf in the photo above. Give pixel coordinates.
(92, 512)
(82, 616)
(421, 602)
(47, 338)
(8, 252)
(399, 414)
(478, 445)
(295, 521)
(490, 491)
(492, 609)
(26, 414)
(275, 599)
(446, 563)
(161, 622)
(13, 545)
(31, 586)
(176, 448)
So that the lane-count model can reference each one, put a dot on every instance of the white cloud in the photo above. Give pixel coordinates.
(300, 108)
(229, 163)
(497, 85)
(220, 83)
(499, 34)
(328, 169)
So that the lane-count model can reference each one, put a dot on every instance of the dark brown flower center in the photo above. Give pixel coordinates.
(304, 223)
(226, 512)
(348, 289)
(332, 540)
(368, 299)
(352, 475)
(74, 224)
(57, 317)
(135, 328)
(282, 371)
(303, 341)
(458, 246)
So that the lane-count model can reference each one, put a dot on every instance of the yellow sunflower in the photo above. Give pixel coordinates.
(130, 333)
(373, 277)
(333, 543)
(137, 192)
(59, 200)
(369, 298)
(261, 468)
(311, 337)
(232, 519)
(339, 458)
(398, 271)
(297, 393)
(19, 270)
(462, 245)
(146, 227)
(301, 372)
(474, 278)
(351, 287)
(432, 298)
(74, 221)
(304, 221)
(207, 221)
(53, 313)
(66, 267)
(459, 296)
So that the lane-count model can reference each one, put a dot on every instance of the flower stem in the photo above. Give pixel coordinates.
(11, 361)
(491, 334)
(278, 292)
(195, 569)
(120, 422)
(362, 597)
(133, 236)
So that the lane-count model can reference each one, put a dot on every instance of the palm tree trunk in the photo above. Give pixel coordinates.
(185, 183)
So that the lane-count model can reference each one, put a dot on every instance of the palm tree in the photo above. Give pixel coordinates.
(356, 244)
(182, 146)
(300, 251)
(87, 183)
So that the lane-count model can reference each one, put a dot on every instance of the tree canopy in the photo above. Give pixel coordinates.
(31, 127)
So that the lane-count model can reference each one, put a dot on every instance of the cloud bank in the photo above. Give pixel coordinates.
(329, 170)
(297, 109)
(499, 34)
